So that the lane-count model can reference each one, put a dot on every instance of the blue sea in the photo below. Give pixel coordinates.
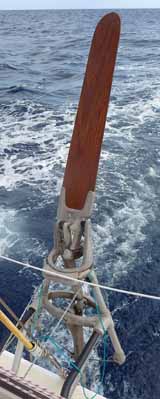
(42, 63)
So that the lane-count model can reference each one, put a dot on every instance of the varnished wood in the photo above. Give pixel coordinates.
(83, 158)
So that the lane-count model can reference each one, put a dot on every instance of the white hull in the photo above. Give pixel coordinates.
(41, 379)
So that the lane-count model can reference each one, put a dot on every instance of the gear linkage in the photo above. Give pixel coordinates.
(73, 244)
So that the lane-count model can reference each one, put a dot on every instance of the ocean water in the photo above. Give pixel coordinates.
(42, 64)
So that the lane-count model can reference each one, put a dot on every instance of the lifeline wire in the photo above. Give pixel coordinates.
(104, 287)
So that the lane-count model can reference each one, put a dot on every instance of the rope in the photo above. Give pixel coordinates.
(38, 310)
(104, 287)
(40, 294)
(66, 310)
(73, 364)
(61, 350)
(69, 361)
(11, 337)
(10, 311)
(50, 338)
(104, 333)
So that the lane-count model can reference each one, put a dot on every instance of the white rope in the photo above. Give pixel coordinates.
(104, 287)
(53, 331)
(65, 311)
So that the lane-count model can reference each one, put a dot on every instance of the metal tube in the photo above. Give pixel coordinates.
(119, 355)
(20, 346)
(71, 380)
(15, 331)
(98, 295)
(27, 315)
(17, 357)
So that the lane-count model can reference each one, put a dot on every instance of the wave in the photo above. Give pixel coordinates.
(5, 66)
(33, 145)
(34, 149)
(22, 89)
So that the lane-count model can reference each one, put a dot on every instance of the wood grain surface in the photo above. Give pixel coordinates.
(82, 164)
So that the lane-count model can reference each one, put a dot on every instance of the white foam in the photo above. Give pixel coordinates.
(118, 239)
(8, 236)
(32, 146)
(42, 146)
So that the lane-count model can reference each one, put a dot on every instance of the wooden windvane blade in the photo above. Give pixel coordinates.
(82, 164)
(73, 230)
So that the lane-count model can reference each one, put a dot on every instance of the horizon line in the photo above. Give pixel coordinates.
(74, 9)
